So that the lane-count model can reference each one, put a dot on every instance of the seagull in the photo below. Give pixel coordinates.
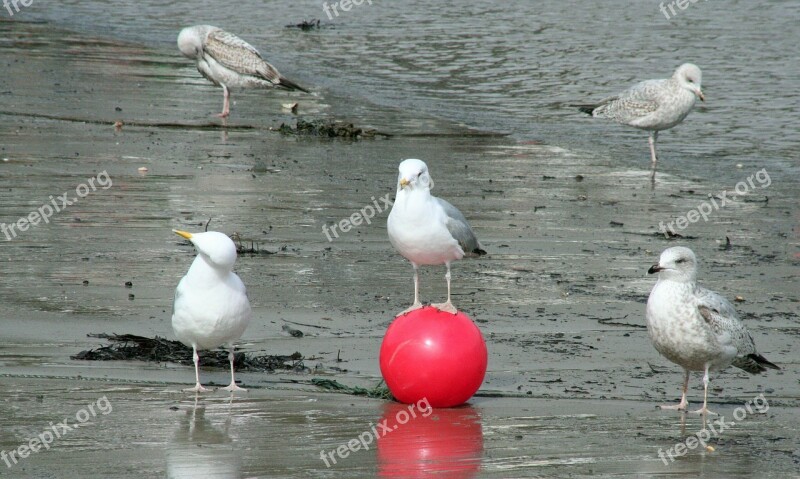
(428, 230)
(694, 327)
(230, 62)
(211, 306)
(653, 105)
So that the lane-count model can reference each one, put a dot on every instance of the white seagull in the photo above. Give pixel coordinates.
(696, 328)
(653, 105)
(230, 62)
(211, 306)
(427, 230)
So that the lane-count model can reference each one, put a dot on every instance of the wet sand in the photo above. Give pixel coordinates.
(572, 383)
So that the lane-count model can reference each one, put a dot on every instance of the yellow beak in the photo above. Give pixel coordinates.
(403, 182)
(183, 233)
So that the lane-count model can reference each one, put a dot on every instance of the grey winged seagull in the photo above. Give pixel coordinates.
(427, 230)
(653, 105)
(230, 62)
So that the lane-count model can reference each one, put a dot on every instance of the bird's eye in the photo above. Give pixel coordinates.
(682, 260)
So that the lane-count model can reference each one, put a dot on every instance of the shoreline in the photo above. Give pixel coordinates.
(559, 299)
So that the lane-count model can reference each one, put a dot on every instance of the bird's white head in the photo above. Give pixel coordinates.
(217, 247)
(414, 175)
(677, 264)
(690, 77)
(191, 40)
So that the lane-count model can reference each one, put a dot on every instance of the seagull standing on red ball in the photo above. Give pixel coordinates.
(428, 230)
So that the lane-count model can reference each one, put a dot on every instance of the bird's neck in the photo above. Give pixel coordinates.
(681, 287)
(202, 270)
(413, 203)
(408, 195)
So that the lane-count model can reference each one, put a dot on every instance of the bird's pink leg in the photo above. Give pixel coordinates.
(653, 157)
(416, 304)
(448, 306)
(704, 410)
(684, 403)
(233, 387)
(198, 388)
(652, 142)
(226, 104)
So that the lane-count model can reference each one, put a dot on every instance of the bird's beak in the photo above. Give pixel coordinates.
(700, 95)
(404, 182)
(654, 269)
(184, 234)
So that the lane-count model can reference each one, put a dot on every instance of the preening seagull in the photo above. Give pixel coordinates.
(230, 62)
(427, 230)
(653, 105)
(694, 327)
(211, 306)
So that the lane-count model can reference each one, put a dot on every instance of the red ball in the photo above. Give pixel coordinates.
(433, 355)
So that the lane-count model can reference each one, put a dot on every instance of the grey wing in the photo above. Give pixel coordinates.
(721, 317)
(175, 299)
(638, 101)
(460, 229)
(720, 314)
(716, 301)
(236, 54)
(178, 294)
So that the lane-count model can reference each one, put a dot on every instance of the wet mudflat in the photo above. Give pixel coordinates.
(572, 382)
(153, 431)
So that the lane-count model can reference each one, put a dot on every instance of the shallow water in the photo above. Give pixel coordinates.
(514, 67)
(563, 205)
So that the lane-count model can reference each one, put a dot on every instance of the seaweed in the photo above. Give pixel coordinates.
(130, 347)
(378, 392)
(306, 25)
(329, 129)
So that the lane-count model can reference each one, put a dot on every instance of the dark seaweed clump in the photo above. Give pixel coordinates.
(378, 392)
(128, 347)
(306, 25)
(329, 129)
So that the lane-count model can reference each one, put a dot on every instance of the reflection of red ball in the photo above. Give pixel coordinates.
(431, 354)
(445, 444)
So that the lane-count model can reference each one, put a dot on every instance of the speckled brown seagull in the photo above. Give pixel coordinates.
(653, 105)
(230, 62)
(694, 327)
